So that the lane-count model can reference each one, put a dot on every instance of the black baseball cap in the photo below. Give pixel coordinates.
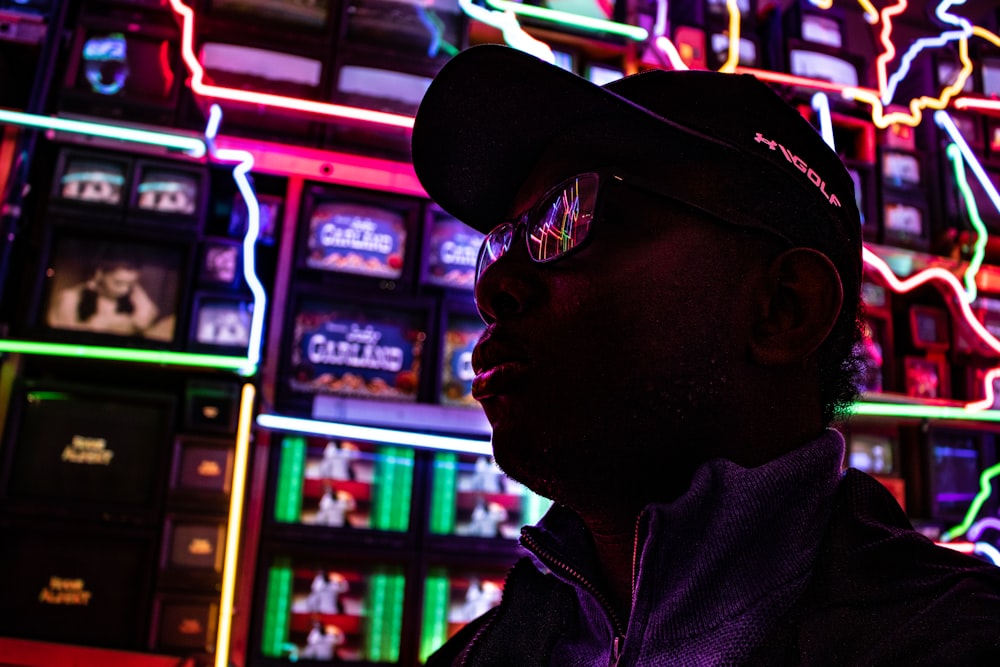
(726, 144)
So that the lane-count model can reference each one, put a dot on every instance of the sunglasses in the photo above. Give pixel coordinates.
(558, 223)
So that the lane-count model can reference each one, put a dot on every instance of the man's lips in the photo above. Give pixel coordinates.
(498, 379)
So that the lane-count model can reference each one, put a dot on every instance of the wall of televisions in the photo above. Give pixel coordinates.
(236, 336)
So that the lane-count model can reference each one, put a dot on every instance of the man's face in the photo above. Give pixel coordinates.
(599, 371)
(116, 283)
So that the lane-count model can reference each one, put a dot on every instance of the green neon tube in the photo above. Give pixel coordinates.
(443, 493)
(434, 625)
(291, 479)
(277, 610)
(924, 412)
(572, 20)
(192, 145)
(160, 357)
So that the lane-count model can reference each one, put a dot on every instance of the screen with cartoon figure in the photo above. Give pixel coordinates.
(333, 483)
(332, 610)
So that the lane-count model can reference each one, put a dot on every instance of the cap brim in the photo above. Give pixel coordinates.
(475, 138)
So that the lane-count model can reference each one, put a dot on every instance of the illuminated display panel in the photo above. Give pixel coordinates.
(434, 29)
(989, 73)
(220, 262)
(88, 451)
(875, 353)
(461, 330)
(124, 69)
(352, 233)
(76, 584)
(369, 80)
(601, 75)
(811, 62)
(471, 499)
(873, 452)
(92, 181)
(220, 323)
(454, 595)
(718, 52)
(926, 377)
(930, 328)
(202, 472)
(901, 170)
(358, 349)
(98, 288)
(821, 29)
(955, 460)
(253, 68)
(450, 251)
(349, 486)
(323, 608)
(314, 14)
(186, 623)
(169, 193)
(192, 551)
(904, 224)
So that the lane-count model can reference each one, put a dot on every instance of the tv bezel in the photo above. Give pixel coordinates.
(63, 228)
(889, 432)
(181, 221)
(81, 207)
(301, 402)
(144, 24)
(179, 576)
(203, 297)
(162, 600)
(913, 362)
(144, 513)
(408, 207)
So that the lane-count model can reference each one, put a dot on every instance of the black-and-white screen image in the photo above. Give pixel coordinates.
(117, 287)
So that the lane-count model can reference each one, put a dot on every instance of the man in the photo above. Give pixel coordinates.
(670, 282)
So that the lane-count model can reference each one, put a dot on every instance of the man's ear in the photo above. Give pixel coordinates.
(797, 307)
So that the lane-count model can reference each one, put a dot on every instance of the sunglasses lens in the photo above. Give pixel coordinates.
(496, 243)
(562, 222)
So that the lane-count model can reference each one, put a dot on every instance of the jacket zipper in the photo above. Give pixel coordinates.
(555, 564)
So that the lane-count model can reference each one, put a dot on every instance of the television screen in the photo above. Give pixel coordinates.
(873, 453)
(460, 336)
(166, 190)
(117, 65)
(313, 14)
(925, 377)
(427, 28)
(930, 327)
(221, 262)
(873, 353)
(691, 46)
(948, 72)
(269, 207)
(332, 609)
(747, 49)
(202, 467)
(900, 170)
(472, 498)
(222, 321)
(343, 484)
(90, 449)
(185, 623)
(261, 70)
(76, 585)
(91, 178)
(381, 88)
(820, 29)
(116, 287)
(356, 238)
(450, 254)
(721, 7)
(955, 466)
(193, 544)
(454, 596)
(564, 59)
(364, 351)
(903, 222)
(822, 66)
(989, 69)
(603, 74)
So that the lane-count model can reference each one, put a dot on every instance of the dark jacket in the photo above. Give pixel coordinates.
(856, 586)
